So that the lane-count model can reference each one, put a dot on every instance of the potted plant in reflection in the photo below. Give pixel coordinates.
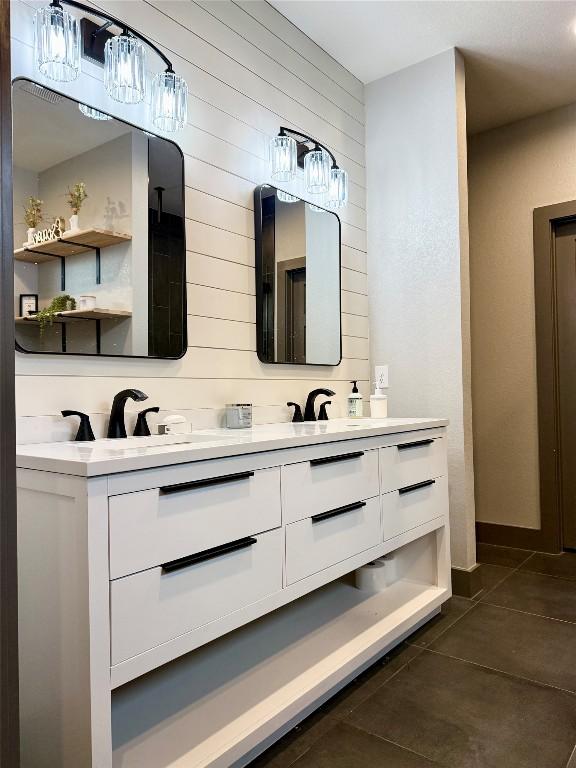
(76, 197)
(32, 217)
(46, 316)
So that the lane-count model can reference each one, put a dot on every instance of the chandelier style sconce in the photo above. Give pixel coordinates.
(58, 40)
(322, 175)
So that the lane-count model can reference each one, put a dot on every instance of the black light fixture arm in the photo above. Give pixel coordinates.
(296, 134)
(111, 20)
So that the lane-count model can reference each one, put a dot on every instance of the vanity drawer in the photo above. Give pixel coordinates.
(412, 462)
(154, 606)
(413, 505)
(153, 526)
(330, 537)
(345, 476)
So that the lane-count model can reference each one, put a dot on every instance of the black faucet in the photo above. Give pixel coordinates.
(309, 412)
(116, 426)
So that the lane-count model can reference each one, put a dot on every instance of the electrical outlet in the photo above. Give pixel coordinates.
(381, 373)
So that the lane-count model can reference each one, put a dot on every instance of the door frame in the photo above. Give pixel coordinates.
(9, 700)
(546, 219)
(547, 538)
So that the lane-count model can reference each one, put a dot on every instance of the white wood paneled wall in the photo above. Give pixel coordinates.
(249, 70)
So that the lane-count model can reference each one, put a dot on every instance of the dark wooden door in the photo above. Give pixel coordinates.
(296, 314)
(565, 251)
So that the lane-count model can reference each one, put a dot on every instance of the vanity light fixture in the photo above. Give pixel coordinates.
(322, 175)
(95, 114)
(57, 44)
(124, 69)
(286, 197)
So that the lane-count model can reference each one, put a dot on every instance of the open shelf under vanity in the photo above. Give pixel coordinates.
(236, 694)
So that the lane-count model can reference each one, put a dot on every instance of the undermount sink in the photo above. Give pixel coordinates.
(152, 441)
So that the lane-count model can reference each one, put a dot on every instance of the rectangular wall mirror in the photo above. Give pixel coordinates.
(298, 315)
(111, 281)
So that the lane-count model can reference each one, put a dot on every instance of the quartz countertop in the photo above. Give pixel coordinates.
(104, 457)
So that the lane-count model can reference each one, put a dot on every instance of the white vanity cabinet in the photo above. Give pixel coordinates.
(183, 607)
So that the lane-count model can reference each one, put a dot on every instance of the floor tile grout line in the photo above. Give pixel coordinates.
(393, 675)
(466, 612)
(512, 572)
(528, 613)
(395, 743)
(549, 575)
(502, 672)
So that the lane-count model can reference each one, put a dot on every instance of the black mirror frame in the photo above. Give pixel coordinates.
(21, 349)
(259, 260)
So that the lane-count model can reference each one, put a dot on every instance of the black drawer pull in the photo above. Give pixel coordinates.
(416, 486)
(208, 554)
(205, 483)
(333, 459)
(417, 444)
(338, 511)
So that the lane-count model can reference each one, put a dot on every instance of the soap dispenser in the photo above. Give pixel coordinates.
(355, 402)
(379, 401)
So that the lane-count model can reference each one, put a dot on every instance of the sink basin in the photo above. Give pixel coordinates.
(152, 441)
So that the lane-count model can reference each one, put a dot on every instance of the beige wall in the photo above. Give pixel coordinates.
(249, 71)
(512, 170)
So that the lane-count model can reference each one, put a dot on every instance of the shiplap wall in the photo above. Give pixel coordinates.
(249, 70)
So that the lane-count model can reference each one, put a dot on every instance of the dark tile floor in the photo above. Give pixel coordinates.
(488, 683)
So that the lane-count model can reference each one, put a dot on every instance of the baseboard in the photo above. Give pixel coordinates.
(467, 583)
(514, 536)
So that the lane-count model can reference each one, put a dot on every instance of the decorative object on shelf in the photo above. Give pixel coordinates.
(32, 217)
(322, 175)
(87, 302)
(58, 304)
(28, 304)
(95, 114)
(57, 44)
(48, 234)
(76, 197)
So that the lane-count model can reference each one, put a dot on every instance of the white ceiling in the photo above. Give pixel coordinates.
(520, 55)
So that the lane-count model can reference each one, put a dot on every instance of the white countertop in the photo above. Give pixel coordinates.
(104, 457)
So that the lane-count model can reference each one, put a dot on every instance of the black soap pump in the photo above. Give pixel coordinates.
(354, 402)
(85, 432)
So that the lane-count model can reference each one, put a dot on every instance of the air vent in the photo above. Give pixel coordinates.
(42, 93)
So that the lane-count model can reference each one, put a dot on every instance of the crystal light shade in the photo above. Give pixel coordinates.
(169, 101)
(57, 44)
(124, 69)
(337, 189)
(285, 197)
(283, 158)
(95, 114)
(317, 171)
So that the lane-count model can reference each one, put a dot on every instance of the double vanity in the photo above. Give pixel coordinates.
(186, 599)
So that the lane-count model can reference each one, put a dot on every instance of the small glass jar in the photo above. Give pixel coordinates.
(239, 415)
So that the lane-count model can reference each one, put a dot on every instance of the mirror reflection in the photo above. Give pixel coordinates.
(297, 280)
(99, 239)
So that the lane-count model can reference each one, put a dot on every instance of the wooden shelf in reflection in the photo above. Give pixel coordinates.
(75, 315)
(71, 244)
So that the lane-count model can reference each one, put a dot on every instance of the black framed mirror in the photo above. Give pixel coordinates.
(99, 232)
(298, 280)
